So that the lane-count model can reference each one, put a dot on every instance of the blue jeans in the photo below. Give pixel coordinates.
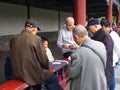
(112, 83)
(67, 54)
(8, 69)
(52, 83)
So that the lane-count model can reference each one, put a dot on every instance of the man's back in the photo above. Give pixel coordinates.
(104, 37)
(87, 67)
(28, 58)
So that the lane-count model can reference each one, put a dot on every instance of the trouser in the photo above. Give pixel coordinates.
(67, 54)
(112, 83)
(50, 84)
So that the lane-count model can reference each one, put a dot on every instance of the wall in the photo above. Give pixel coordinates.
(12, 19)
(13, 16)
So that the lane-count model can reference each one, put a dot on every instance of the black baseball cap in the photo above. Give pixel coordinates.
(32, 23)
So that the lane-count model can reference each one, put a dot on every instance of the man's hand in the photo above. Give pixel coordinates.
(68, 46)
(72, 46)
(65, 46)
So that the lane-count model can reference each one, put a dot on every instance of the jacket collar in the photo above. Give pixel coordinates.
(26, 31)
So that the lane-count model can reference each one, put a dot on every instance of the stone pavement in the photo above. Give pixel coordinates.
(117, 76)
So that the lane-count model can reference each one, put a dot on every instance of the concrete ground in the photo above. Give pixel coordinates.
(117, 76)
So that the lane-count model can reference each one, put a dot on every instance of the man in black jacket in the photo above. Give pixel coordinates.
(100, 35)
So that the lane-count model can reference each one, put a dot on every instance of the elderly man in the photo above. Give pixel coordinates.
(29, 60)
(65, 38)
(87, 64)
(99, 34)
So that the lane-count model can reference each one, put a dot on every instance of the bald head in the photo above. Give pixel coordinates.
(69, 23)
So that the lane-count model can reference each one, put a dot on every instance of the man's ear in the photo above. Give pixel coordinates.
(76, 36)
(32, 29)
(95, 26)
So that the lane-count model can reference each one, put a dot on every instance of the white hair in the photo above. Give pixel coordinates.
(70, 19)
(80, 30)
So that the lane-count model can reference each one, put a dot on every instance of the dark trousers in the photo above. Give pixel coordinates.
(8, 69)
(67, 54)
(112, 83)
(50, 84)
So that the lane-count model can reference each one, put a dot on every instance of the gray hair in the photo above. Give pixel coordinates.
(70, 19)
(80, 30)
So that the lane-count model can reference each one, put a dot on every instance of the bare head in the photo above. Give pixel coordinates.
(105, 25)
(80, 34)
(69, 23)
(45, 42)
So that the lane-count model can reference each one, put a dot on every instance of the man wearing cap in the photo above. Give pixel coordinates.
(28, 58)
(100, 35)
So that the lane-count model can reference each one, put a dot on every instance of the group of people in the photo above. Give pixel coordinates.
(91, 60)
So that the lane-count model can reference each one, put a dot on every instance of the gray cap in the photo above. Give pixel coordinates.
(32, 23)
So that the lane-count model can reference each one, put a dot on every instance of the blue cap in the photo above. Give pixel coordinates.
(93, 22)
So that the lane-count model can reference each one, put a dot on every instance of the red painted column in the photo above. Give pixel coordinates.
(79, 12)
(118, 15)
(109, 11)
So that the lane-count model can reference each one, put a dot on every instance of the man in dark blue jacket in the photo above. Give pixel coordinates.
(100, 35)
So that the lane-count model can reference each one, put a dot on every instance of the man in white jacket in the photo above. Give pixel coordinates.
(65, 39)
